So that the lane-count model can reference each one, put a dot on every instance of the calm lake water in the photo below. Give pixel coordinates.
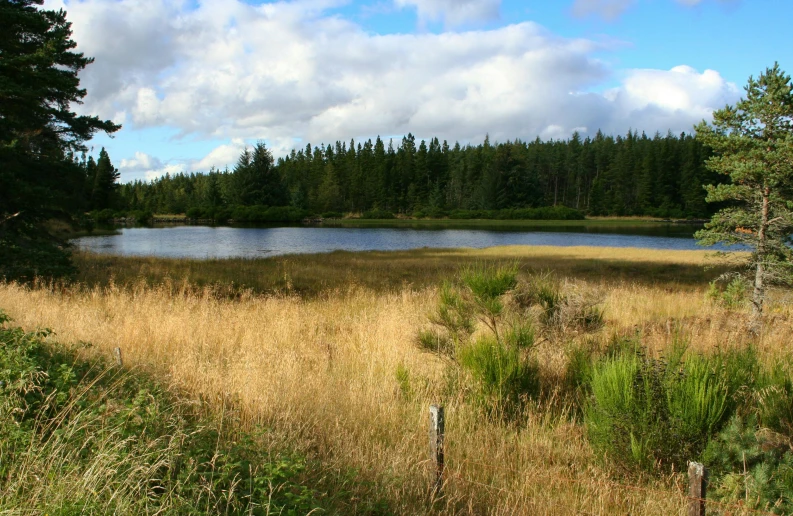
(250, 242)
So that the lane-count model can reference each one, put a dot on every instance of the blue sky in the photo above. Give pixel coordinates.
(193, 82)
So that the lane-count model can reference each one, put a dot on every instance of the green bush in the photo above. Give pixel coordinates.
(105, 215)
(733, 295)
(195, 213)
(265, 214)
(645, 411)
(498, 365)
(751, 466)
(141, 216)
(500, 373)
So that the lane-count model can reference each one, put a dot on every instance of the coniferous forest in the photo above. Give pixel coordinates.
(660, 176)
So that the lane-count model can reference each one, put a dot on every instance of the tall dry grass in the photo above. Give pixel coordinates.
(320, 372)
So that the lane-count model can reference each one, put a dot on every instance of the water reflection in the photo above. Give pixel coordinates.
(253, 242)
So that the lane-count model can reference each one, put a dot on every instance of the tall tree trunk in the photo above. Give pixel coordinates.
(759, 287)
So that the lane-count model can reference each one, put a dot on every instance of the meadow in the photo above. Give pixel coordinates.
(323, 353)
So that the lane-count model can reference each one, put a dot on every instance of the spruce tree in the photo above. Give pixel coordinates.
(104, 182)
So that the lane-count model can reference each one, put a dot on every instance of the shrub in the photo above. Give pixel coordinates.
(564, 308)
(497, 363)
(733, 295)
(141, 216)
(645, 411)
(377, 214)
(501, 375)
(105, 215)
(751, 466)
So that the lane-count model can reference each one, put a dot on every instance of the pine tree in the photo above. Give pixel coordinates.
(753, 144)
(38, 130)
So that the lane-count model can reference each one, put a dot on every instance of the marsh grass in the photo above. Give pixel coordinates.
(311, 275)
(331, 365)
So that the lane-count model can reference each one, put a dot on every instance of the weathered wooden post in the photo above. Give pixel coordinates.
(437, 421)
(697, 488)
(117, 356)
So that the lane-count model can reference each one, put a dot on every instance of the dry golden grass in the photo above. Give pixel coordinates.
(321, 372)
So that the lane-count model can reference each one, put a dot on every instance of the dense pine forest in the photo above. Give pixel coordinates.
(624, 175)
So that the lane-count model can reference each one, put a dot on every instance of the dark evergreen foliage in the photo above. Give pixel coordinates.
(39, 134)
(627, 175)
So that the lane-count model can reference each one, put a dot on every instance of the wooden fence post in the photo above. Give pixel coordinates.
(117, 356)
(697, 488)
(437, 421)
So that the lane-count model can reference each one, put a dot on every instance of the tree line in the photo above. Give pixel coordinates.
(634, 174)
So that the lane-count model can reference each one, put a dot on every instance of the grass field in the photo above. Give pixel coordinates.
(322, 351)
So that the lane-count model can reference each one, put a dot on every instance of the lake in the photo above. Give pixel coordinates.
(258, 242)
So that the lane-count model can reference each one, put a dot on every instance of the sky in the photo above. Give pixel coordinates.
(195, 81)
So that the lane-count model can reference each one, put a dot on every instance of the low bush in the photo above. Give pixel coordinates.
(644, 412)
(731, 294)
(751, 465)
(265, 214)
(497, 363)
(502, 375)
(377, 214)
(140, 216)
(105, 215)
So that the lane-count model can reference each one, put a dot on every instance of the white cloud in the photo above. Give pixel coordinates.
(141, 161)
(144, 166)
(288, 73)
(220, 156)
(453, 12)
(674, 99)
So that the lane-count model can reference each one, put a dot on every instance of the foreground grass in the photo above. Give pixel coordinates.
(390, 271)
(338, 376)
(80, 436)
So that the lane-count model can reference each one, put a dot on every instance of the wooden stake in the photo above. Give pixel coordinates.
(437, 421)
(697, 488)
(117, 356)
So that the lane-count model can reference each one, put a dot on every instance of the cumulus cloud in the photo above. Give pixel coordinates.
(220, 156)
(288, 73)
(669, 99)
(453, 12)
(144, 166)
